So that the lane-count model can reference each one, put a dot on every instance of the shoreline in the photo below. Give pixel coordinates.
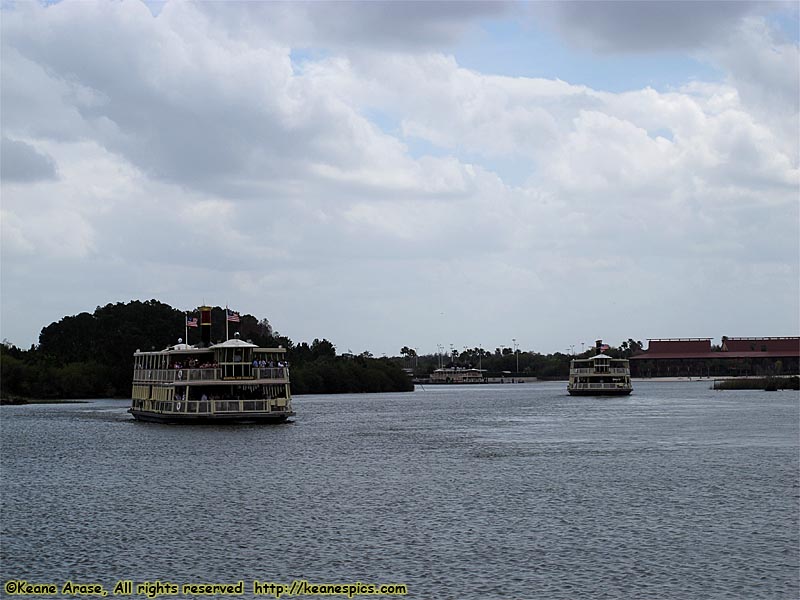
(712, 378)
(673, 379)
(25, 401)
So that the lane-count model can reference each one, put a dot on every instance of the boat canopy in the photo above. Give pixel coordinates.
(181, 347)
(234, 343)
(176, 349)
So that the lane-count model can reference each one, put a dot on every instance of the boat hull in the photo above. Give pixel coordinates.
(619, 392)
(232, 418)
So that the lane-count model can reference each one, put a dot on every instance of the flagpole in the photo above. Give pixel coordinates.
(227, 336)
(186, 328)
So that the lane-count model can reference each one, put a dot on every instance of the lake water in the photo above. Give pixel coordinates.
(479, 492)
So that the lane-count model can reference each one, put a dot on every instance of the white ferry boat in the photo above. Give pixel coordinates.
(458, 375)
(234, 381)
(600, 375)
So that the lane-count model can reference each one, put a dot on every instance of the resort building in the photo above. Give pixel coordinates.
(696, 357)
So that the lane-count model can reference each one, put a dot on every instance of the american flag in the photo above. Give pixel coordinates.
(233, 317)
(191, 321)
(604, 347)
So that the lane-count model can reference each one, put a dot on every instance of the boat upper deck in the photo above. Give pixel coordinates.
(224, 363)
(599, 364)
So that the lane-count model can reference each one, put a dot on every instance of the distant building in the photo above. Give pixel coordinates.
(736, 356)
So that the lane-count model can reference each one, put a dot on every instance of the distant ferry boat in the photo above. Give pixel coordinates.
(458, 375)
(234, 381)
(600, 375)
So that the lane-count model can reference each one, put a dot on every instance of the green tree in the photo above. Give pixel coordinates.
(90, 354)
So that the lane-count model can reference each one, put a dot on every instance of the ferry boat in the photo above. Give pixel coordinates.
(233, 381)
(457, 375)
(600, 375)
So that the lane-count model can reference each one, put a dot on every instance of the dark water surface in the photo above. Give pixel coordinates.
(479, 492)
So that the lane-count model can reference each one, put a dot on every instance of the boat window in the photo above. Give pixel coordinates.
(236, 363)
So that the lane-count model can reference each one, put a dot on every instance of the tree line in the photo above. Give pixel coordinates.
(90, 355)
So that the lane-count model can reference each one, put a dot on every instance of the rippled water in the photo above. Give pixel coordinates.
(480, 492)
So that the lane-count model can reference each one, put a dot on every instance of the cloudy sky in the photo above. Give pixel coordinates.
(414, 174)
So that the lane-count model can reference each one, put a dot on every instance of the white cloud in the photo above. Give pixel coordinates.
(765, 71)
(348, 26)
(365, 192)
(655, 25)
(20, 161)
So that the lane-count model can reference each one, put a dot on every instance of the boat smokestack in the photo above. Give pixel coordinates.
(205, 326)
(597, 345)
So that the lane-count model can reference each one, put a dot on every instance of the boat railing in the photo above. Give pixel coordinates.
(213, 406)
(241, 406)
(198, 374)
(153, 375)
(206, 374)
(271, 373)
(170, 375)
(598, 386)
(599, 372)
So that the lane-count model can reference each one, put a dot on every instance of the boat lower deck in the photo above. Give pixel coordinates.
(600, 392)
(212, 418)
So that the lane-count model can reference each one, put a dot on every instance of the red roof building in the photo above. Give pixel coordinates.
(677, 348)
(734, 356)
(772, 347)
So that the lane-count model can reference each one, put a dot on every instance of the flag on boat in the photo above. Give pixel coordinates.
(604, 347)
(233, 317)
(191, 321)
